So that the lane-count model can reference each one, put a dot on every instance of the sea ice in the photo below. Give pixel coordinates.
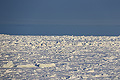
(26, 66)
(8, 65)
(47, 65)
(59, 57)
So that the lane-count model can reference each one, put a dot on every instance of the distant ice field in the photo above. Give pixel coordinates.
(60, 30)
(59, 57)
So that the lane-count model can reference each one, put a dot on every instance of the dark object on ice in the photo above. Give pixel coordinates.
(44, 75)
(37, 65)
(67, 77)
(15, 66)
(84, 68)
(81, 77)
(75, 70)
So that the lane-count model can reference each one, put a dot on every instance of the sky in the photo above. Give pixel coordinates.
(60, 12)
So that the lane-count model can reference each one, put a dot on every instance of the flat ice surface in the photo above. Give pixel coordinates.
(59, 57)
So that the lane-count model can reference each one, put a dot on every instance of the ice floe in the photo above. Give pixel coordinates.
(26, 66)
(8, 65)
(47, 65)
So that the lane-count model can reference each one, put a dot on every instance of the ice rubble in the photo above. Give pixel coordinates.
(8, 65)
(26, 66)
(47, 65)
(59, 57)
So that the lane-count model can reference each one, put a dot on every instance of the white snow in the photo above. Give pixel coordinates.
(59, 57)
(47, 65)
(26, 66)
(8, 65)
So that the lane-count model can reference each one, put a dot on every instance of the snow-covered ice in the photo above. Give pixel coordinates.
(59, 57)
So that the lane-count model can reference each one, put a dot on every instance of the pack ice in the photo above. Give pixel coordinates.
(59, 57)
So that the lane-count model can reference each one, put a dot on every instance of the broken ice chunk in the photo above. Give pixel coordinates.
(47, 65)
(8, 65)
(26, 66)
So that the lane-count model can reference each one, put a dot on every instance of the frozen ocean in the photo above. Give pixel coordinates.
(25, 57)
(59, 39)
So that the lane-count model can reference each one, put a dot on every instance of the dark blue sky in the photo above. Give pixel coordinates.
(63, 12)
